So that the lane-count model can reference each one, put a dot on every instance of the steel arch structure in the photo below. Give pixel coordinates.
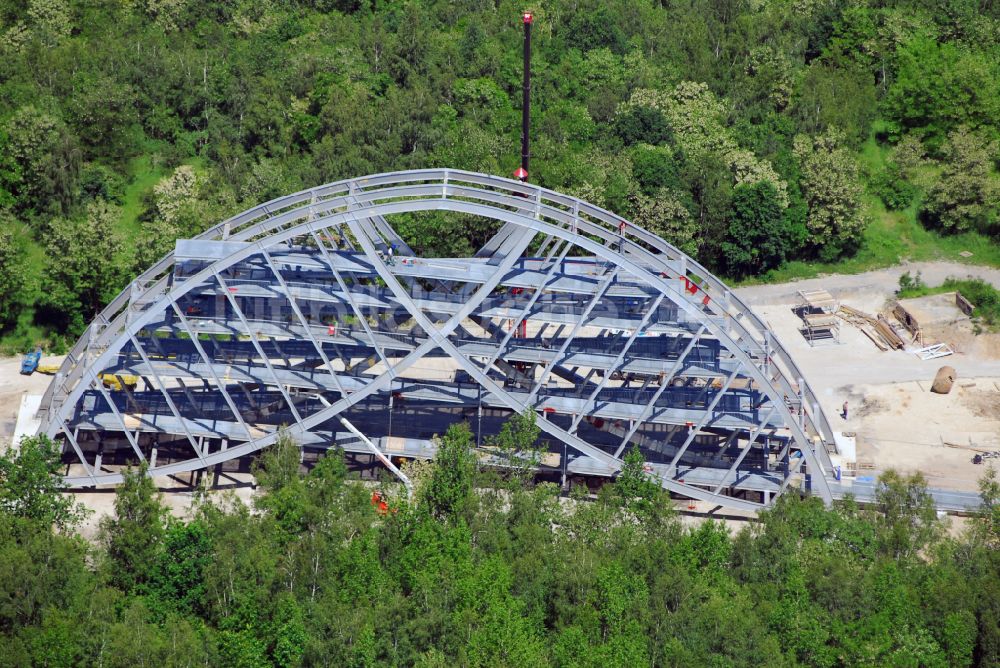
(310, 313)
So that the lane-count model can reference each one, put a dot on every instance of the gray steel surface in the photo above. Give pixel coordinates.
(292, 315)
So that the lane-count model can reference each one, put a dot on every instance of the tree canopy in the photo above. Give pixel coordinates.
(313, 572)
(153, 120)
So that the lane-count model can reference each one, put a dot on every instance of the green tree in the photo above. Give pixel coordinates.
(836, 97)
(907, 517)
(449, 492)
(965, 196)
(641, 124)
(655, 167)
(515, 446)
(103, 115)
(833, 195)
(85, 266)
(177, 576)
(47, 159)
(892, 188)
(665, 215)
(134, 537)
(633, 485)
(12, 269)
(31, 485)
(939, 86)
(758, 237)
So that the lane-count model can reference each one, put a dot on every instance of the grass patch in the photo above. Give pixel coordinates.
(144, 175)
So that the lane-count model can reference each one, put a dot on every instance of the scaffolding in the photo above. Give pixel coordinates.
(818, 311)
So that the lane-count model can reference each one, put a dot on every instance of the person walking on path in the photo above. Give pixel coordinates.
(845, 410)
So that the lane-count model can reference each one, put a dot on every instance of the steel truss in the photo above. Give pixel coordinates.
(310, 313)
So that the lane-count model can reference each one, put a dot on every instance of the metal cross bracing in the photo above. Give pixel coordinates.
(294, 315)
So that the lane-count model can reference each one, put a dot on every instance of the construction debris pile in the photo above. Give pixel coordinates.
(886, 336)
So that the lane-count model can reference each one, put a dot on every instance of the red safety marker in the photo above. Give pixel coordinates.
(521, 174)
(527, 17)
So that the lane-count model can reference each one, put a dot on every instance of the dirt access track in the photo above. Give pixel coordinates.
(899, 423)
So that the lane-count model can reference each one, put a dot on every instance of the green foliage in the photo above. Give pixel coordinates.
(966, 195)
(449, 495)
(516, 448)
(134, 537)
(642, 125)
(910, 285)
(654, 168)
(519, 577)
(830, 187)
(31, 485)
(907, 517)
(86, 270)
(11, 274)
(46, 160)
(633, 486)
(758, 237)
(657, 111)
(894, 191)
(939, 87)
(836, 97)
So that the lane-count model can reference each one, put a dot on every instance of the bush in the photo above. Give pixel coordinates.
(910, 285)
(894, 191)
(984, 298)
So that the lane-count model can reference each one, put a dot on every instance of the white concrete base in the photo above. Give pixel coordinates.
(28, 422)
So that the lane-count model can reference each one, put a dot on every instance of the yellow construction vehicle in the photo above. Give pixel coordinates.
(115, 382)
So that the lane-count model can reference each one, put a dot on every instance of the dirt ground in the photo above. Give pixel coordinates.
(12, 387)
(176, 494)
(907, 427)
(899, 423)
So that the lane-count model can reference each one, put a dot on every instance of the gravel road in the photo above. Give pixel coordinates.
(882, 280)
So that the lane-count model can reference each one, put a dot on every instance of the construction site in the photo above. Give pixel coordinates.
(883, 360)
(310, 316)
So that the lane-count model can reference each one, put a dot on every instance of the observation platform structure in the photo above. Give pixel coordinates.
(310, 314)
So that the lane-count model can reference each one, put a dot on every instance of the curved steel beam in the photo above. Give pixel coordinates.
(532, 210)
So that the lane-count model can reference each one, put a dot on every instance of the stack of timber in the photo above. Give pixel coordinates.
(888, 334)
(862, 321)
(877, 329)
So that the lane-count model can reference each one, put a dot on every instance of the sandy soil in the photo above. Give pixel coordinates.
(12, 386)
(899, 423)
(907, 427)
(176, 494)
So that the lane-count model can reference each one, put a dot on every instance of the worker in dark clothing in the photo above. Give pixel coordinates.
(392, 251)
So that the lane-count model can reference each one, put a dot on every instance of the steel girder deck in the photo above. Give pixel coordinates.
(295, 314)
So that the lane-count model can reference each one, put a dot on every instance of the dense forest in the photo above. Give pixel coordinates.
(758, 135)
(482, 569)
